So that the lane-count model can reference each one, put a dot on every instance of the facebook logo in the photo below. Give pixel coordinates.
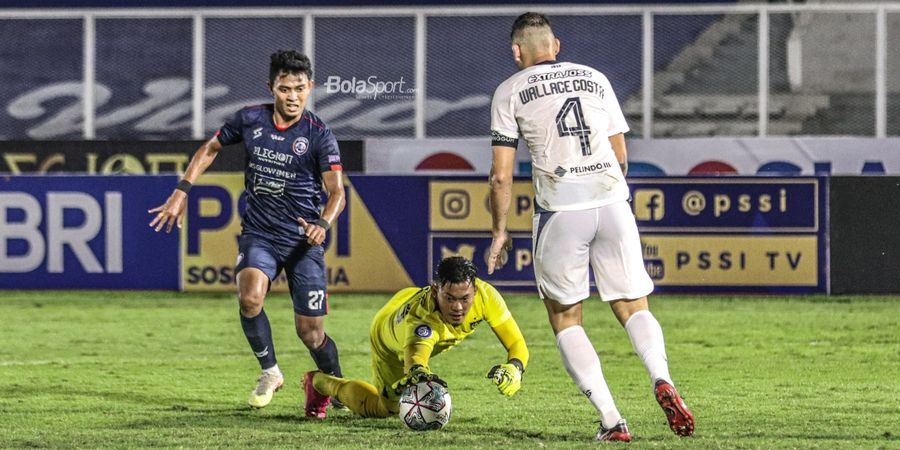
(649, 204)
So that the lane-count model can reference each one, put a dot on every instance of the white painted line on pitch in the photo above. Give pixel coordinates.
(29, 363)
(98, 360)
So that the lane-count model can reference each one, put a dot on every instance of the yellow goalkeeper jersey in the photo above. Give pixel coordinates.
(411, 317)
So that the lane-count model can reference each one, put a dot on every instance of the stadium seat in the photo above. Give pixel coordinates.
(801, 106)
(722, 105)
(677, 106)
(785, 127)
(777, 106)
(694, 129)
(736, 128)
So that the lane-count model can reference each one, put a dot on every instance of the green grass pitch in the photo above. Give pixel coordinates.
(136, 370)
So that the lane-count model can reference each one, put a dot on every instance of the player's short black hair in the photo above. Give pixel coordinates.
(289, 61)
(454, 269)
(529, 19)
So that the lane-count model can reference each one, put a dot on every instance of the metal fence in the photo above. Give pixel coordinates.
(720, 70)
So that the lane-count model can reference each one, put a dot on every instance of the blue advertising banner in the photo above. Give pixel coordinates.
(716, 204)
(765, 235)
(63, 232)
(734, 234)
(517, 271)
(698, 234)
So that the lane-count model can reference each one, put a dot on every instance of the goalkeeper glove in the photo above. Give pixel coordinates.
(507, 377)
(417, 374)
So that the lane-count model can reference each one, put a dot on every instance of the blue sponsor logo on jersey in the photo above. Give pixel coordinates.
(423, 331)
(300, 146)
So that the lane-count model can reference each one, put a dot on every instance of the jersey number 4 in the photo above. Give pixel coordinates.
(581, 130)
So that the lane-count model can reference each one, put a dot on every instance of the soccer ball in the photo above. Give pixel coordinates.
(425, 406)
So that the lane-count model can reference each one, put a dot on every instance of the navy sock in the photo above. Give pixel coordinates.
(326, 357)
(259, 335)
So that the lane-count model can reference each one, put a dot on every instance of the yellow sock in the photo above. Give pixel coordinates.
(361, 397)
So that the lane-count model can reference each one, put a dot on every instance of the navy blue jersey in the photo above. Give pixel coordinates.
(283, 177)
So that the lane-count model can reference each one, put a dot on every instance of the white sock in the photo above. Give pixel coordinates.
(647, 338)
(583, 365)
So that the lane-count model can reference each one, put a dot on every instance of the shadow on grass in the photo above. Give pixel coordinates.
(461, 431)
(143, 414)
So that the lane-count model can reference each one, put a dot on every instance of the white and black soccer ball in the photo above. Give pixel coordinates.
(425, 406)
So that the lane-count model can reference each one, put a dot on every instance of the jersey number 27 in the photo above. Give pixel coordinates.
(316, 299)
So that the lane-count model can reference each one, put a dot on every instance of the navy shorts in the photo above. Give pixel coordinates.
(303, 265)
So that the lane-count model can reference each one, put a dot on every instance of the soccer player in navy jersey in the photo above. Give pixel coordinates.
(290, 155)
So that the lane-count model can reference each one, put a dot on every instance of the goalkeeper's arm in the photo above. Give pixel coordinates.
(508, 377)
(511, 337)
(416, 374)
(416, 356)
(417, 353)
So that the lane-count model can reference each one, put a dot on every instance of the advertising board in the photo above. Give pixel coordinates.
(85, 232)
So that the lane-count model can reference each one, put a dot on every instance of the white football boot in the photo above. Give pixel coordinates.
(269, 382)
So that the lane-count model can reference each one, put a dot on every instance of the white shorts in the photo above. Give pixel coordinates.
(604, 238)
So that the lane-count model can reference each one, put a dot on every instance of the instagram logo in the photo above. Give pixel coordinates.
(455, 204)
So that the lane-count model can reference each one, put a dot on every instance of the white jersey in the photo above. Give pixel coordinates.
(566, 113)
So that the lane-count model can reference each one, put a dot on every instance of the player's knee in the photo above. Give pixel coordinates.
(251, 303)
(624, 309)
(312, 337)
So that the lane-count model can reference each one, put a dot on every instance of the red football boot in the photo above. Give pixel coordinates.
(681, 421)
(618, 433)
(316, 403)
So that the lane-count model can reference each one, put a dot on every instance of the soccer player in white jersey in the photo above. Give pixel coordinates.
(573, 126)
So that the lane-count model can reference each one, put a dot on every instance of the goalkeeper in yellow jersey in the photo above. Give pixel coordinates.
(416, 324)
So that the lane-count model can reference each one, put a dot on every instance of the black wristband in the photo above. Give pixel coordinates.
(624, 167)
(518, 364)
(323, 223)
(184, 186)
